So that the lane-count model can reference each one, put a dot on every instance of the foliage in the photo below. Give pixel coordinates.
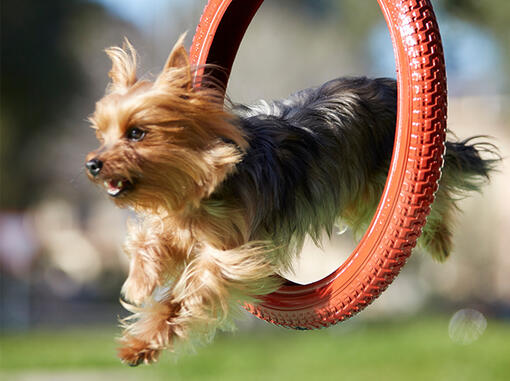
(40, 77)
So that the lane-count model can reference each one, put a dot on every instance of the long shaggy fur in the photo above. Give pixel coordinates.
(226, 196)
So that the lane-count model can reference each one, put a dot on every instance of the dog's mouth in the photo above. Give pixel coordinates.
(116, 187)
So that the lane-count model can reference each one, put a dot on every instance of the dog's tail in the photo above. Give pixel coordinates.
(468, 165)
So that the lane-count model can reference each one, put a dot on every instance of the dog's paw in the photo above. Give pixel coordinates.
(135, 352)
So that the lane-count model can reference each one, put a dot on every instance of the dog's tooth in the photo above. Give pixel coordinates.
(119, 184)
(105, 183)
(113, 192)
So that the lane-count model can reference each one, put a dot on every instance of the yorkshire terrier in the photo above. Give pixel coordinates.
(226, 194)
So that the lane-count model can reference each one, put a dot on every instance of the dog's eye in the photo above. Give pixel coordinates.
(135, 134)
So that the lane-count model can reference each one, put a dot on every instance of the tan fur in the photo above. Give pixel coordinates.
(190, 260)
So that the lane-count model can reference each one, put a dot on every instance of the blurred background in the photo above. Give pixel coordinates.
(61, 264)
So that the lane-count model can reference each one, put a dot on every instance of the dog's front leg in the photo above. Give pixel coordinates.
(200, 300)
(216, 279)
(154, 254)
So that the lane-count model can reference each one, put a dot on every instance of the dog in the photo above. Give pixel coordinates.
(225, 195)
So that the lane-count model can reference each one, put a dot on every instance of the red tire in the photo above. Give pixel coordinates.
(414, 171)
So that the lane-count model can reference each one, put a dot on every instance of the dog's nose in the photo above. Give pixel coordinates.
(94, 166)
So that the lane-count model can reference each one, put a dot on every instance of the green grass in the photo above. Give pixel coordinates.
(398, 350)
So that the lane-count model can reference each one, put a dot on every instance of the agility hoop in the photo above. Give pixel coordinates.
(414, 171)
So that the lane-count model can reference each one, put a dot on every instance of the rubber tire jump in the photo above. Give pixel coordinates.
(414, 170)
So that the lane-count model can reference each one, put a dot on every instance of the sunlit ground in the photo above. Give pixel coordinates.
(356, 350)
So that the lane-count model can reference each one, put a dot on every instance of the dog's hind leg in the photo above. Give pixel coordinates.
(437, 233)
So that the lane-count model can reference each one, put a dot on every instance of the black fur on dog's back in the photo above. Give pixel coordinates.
(324, 153)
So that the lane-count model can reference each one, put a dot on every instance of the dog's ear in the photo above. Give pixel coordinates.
(123, 72)
(178, 59)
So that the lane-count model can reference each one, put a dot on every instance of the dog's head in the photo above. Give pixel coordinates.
(163, 142)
